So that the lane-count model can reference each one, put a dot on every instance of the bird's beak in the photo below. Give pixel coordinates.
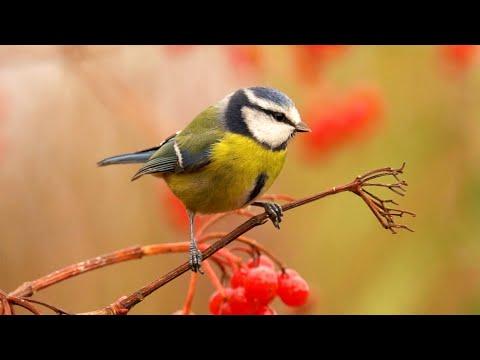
(302, 127)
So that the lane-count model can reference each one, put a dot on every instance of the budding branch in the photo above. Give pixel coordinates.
(384, 214)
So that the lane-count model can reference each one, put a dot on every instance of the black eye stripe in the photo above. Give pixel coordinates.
(273, 114)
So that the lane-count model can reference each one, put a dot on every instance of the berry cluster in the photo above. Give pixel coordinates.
(254, 285)
(310, 60)
(335, 124)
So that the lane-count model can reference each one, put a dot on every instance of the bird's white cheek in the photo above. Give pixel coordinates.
(266, 129)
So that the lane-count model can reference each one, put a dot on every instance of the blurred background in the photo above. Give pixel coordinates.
(63, 108)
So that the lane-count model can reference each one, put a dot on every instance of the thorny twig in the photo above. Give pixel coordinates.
(384, 214)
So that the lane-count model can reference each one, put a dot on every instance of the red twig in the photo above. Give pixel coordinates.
(190, 293)
(213, 276)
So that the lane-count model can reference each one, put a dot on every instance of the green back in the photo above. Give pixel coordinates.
(194, 144)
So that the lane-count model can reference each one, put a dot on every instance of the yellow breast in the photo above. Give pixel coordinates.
(228, 180)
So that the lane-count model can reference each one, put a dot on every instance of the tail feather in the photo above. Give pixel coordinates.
(130, 158)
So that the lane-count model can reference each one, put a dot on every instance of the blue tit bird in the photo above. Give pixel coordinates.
(227, 157)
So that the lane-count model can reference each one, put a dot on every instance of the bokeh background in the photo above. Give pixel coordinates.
(63, 108)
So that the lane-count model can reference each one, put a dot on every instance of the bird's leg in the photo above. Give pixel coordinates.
(273, 210)
(195, 259)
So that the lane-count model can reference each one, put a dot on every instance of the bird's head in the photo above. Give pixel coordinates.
(264, 114)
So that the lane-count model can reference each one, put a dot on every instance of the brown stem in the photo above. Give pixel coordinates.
(51, 307)
(24, 304)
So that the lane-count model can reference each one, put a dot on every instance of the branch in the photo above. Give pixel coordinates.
(383, 214)
(29, 288)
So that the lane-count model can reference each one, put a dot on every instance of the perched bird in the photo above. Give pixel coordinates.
(227, 157)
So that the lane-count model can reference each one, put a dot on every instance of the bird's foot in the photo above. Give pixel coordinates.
(273, 210)
(195, 260)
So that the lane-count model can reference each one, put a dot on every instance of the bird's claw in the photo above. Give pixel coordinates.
(195, 260)
(274, 212)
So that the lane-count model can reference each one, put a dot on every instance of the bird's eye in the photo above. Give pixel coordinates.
(279, 116)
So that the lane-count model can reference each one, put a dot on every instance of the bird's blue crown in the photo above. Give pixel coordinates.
(272, 94)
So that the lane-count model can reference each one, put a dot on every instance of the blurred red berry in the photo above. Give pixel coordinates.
(266, 310)
(261, 260)
(245, 57)
(239, 303)
(310, 59)
(218, 305)
(174, 210)
(333, 125)
(214, 303)
(261, 284)
(461, 57)
(292, 288)
(364, 107)
(225, 309)
(238, 277)
(234, 303)
(177, 49)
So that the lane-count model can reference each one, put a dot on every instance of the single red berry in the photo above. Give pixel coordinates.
(239, 304)
(292, 288)
(238, 277)
(351, 116)
(246, 57)
(176, 214)
(225, 309)
(460, 56)
(218, 303)
(262, 260)
(266, 310)
(310, 60)
(261, 285)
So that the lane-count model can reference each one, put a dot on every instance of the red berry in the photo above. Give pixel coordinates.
(225, 309)
(238, 277)
(246, 57)
(461, 56)
(239, 304)
(266, 310)
(262, 260)
(176, 214)
(261, 284)
(292, 288)
(335, 123)
(218, 304)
